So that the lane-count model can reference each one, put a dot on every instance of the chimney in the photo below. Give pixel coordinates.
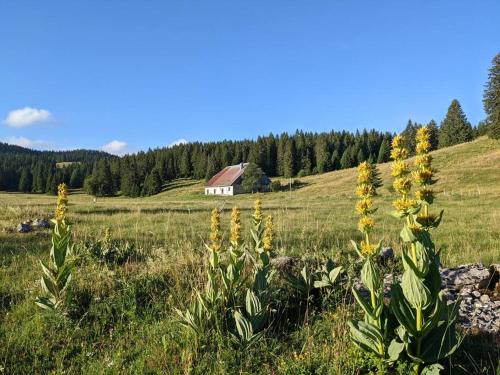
(241, 165)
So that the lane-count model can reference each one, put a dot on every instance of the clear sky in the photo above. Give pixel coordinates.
(139, 74)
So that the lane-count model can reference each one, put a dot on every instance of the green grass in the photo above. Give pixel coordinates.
(121, 319)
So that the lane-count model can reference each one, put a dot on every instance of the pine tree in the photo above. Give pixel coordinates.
(103, 179)
(455, 128)
(76, 179)
(434, 135)
(335, 160)
(289, 158)
(491, 99)
(152, 183)
(25, 181)
(321, 152)
(345, 160)
(384, 151)
(409, 135)
(211, 171)
(252, 176)
(360, 157)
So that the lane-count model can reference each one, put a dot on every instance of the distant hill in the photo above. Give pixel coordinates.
(26, 170)
(56, 156)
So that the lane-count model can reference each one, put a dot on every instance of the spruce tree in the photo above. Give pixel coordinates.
(210, 172)
(491, 99)
(434, 135)
(360, 157)
(409, 135)
(25, 181)
(152, 183)
(383, 152)
(455, 128)
(321, 152)
(345, 160)
(251, 179)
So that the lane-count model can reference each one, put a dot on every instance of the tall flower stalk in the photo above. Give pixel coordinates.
(57, 273)
(371, 333)
(426, 321)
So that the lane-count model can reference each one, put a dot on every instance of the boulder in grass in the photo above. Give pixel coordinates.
(41, 223)
(386, 254)
(23, 228)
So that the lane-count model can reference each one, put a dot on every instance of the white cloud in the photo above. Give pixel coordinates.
(28, 143)
(26, 116)
(178, 142)
(115, 147)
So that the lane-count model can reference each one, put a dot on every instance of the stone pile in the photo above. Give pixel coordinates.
(478, 289)
(29, 225)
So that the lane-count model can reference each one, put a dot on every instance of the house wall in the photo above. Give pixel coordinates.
(220, 190)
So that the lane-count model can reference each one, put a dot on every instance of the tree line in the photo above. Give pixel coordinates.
(288, 155)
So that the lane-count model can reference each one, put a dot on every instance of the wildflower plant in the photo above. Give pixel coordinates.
(426, 322)
(370, 334)
(57, 273)
(226, 293)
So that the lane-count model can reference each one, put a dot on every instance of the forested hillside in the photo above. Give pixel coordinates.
(144, 173)
(26, 170)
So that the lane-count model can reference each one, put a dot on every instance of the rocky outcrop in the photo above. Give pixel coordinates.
(478, 289)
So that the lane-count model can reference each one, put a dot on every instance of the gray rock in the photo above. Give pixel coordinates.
(284, 263)
(386, 253)
(41, 223)
(476, 294)
(23, 228)
(484, 298)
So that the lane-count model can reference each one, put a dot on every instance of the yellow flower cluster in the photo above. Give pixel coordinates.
(366, 224)
(365, 191)
(367, 249)
(404, 204)
(62, 203)
(235, 227)
(402, 185)
(424, 172)
(400, 171)
(400, 168)
(364, 206)
(423, 140)
(268, 234)
(257, 211)
(215, 236)
(398, 151)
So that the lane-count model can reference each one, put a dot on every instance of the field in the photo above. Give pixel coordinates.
(122, 318)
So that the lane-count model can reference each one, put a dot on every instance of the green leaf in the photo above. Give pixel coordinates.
(365, 305)
(414, 290)
(355, 245)
(407, 235)
(243, 326)
(370, 275)
(49, 286)
(366, 336)
(252, 303)
(434, 369)
(394, 350)
(402, 310)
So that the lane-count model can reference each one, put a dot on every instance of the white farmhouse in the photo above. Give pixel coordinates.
(228, 181)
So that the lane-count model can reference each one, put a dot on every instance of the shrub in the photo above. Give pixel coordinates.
(275, 185)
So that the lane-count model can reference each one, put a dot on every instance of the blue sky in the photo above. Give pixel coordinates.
(139, 74)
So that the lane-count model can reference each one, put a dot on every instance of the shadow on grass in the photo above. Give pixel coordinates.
(478, 354)
(161, 210)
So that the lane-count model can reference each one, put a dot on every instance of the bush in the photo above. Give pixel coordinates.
(275, 185)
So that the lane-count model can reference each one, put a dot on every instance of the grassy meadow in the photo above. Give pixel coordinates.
(121, 317)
